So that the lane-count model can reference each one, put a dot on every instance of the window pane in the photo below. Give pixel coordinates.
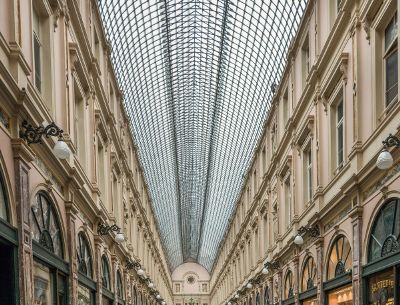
(36, 53)
(381, 288)
(340, 143)
(391, 32)
(391, 77)
(84, 296)
(3, 203)
(42, 284)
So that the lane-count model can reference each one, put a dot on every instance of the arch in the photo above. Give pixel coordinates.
(289, 284)
(105, 272)
(120, 286)
(309, 274)
(84, 255)
(5, 194)
(266, 295)
(384, 238)
(339, 257)
(46, 228)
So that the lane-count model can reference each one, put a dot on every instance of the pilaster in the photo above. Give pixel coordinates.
(22, 157)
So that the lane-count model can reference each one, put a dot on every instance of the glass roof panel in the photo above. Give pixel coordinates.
(197, 79)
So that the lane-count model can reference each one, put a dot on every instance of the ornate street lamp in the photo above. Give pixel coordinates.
(270, 266)
(105, 229)
(385, 159)
(33, 135)
(312, 231)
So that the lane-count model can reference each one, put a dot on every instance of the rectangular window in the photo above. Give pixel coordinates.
(100, 169)
(339, 133)
(80, 126)
(204, 287)
(37, 51)
(288, 202)
(177, 288)
(391, 61)
(307, 174)
(338, 6)
(305, 50)
(264, 161)
(285, 109)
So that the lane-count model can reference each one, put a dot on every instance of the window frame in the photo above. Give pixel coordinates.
(386, 53)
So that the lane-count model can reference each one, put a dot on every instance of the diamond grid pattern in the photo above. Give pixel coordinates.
(197, 79)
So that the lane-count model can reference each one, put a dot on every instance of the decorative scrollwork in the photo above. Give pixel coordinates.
(46, 241)
(290, 293)
(391, 141)
(33, 135)
(310, 283)
(340, 268)
(104, 229)
(390, 245)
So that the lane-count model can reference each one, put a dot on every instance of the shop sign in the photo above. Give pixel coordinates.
(381, 289)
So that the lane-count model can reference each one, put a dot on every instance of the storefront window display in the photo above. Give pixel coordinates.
(341, 296)
(384, 250)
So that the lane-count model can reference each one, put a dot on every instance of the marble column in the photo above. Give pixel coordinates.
(22, 157)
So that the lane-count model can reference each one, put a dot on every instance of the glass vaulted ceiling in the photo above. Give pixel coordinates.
(197, 79)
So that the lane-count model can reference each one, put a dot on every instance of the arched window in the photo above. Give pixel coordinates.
(385, 235)
(46, 227)
(84, 257)
(250, 301)
(266, 296)
(3, 201)
(105, 269)
(339, 258)
(258, 298)
(309, 275)
(289, 285)
(120, 291)
(49, 274)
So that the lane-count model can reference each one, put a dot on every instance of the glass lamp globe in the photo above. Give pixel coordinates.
(119, 238)
(298, 240)
(163, 303)
(158, 296)
(249, 285)
(236, 296)
(61, 149)
(140, 272)
(385, 160)
(151, 285)
(229, 303)
(264, 270)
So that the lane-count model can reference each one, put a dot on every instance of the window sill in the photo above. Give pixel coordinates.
(388, 110)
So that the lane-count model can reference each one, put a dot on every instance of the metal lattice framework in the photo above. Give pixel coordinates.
(197, 78)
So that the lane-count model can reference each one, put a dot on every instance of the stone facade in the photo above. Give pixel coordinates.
(55, 67)
(314, 167)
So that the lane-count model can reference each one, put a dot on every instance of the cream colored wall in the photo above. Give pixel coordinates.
(187, 290)
(71, 64)
(342, 51)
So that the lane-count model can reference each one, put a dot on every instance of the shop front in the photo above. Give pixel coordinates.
(338, 289)
(8, 250)
(381, 275)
